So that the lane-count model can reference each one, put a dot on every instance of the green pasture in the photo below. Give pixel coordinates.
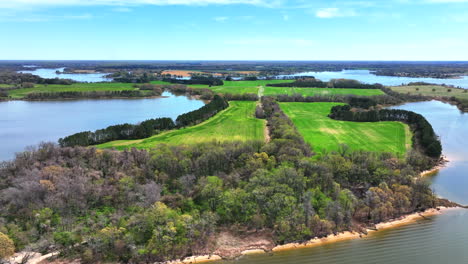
(237, 122)
(325, 134)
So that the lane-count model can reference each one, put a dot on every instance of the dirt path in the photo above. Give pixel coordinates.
(261, 91)
(266, 133)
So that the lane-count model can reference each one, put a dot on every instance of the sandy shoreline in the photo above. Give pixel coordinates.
(347, 235)
(442, 164)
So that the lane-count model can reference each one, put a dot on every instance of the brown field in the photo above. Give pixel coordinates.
(180, 73)
(185, 73)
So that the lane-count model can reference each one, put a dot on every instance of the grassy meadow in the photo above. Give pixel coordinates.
(239, 87)
(237, 122)
(432, 90)
(321, 91)
(76, 87)
(325, 134)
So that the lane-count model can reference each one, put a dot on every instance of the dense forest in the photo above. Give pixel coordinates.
(170, 202)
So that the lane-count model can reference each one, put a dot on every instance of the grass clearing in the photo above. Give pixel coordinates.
(321, 91)
(76, 87)
(432, 90)
(237, 122)
(326, 134)
(239, 87)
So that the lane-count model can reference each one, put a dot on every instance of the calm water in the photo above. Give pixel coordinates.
(84, 77)
(439, 239)
(24, 123)
(367, 77)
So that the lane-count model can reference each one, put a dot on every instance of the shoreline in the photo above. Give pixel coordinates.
(84, 98)
(442, 163)
(332, 238)
(314, 242)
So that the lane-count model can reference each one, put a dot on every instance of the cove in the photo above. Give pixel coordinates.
(79, 77)
(27, 123)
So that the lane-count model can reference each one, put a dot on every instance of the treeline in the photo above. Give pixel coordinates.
(241, 97)
(14, 78)
(286, 142)
(207, 94)
(144, 129)
(3, 93)
(117, 132)
(197, 116)
(91, 94)
(132, 77)
(334, 83)
(422, 129)
(390, 98)
(356, 101)
(196, 79)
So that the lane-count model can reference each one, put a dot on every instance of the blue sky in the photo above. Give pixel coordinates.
(234, 29)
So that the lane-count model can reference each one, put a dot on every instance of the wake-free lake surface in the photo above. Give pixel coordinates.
(439, 239)
(26, 123)
(366, 76)
(79, 77)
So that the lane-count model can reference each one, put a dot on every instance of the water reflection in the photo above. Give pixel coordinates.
(24, 123)
(79, 77)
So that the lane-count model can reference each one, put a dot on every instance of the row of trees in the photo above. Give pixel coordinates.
(197, 79)
(91, 94)
(132, 77)
(194, 117)
(144, 129)
(333, 83)
(241, 97)
(422, 129)
(356, 101)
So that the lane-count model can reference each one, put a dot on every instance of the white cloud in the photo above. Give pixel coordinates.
(332, 12)
(220, 19)
(29, 3)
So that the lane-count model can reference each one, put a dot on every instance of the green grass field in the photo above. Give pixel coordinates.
(237, 122)
(325, 134)
(432, 90)
(239, 87)
(321, 91)
(76, 87)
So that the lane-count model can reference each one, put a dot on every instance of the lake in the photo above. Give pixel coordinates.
(438, 239)
(25, 123)
(79, 77)
(366, 76)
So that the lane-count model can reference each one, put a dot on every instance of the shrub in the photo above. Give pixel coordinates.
(7, 247)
